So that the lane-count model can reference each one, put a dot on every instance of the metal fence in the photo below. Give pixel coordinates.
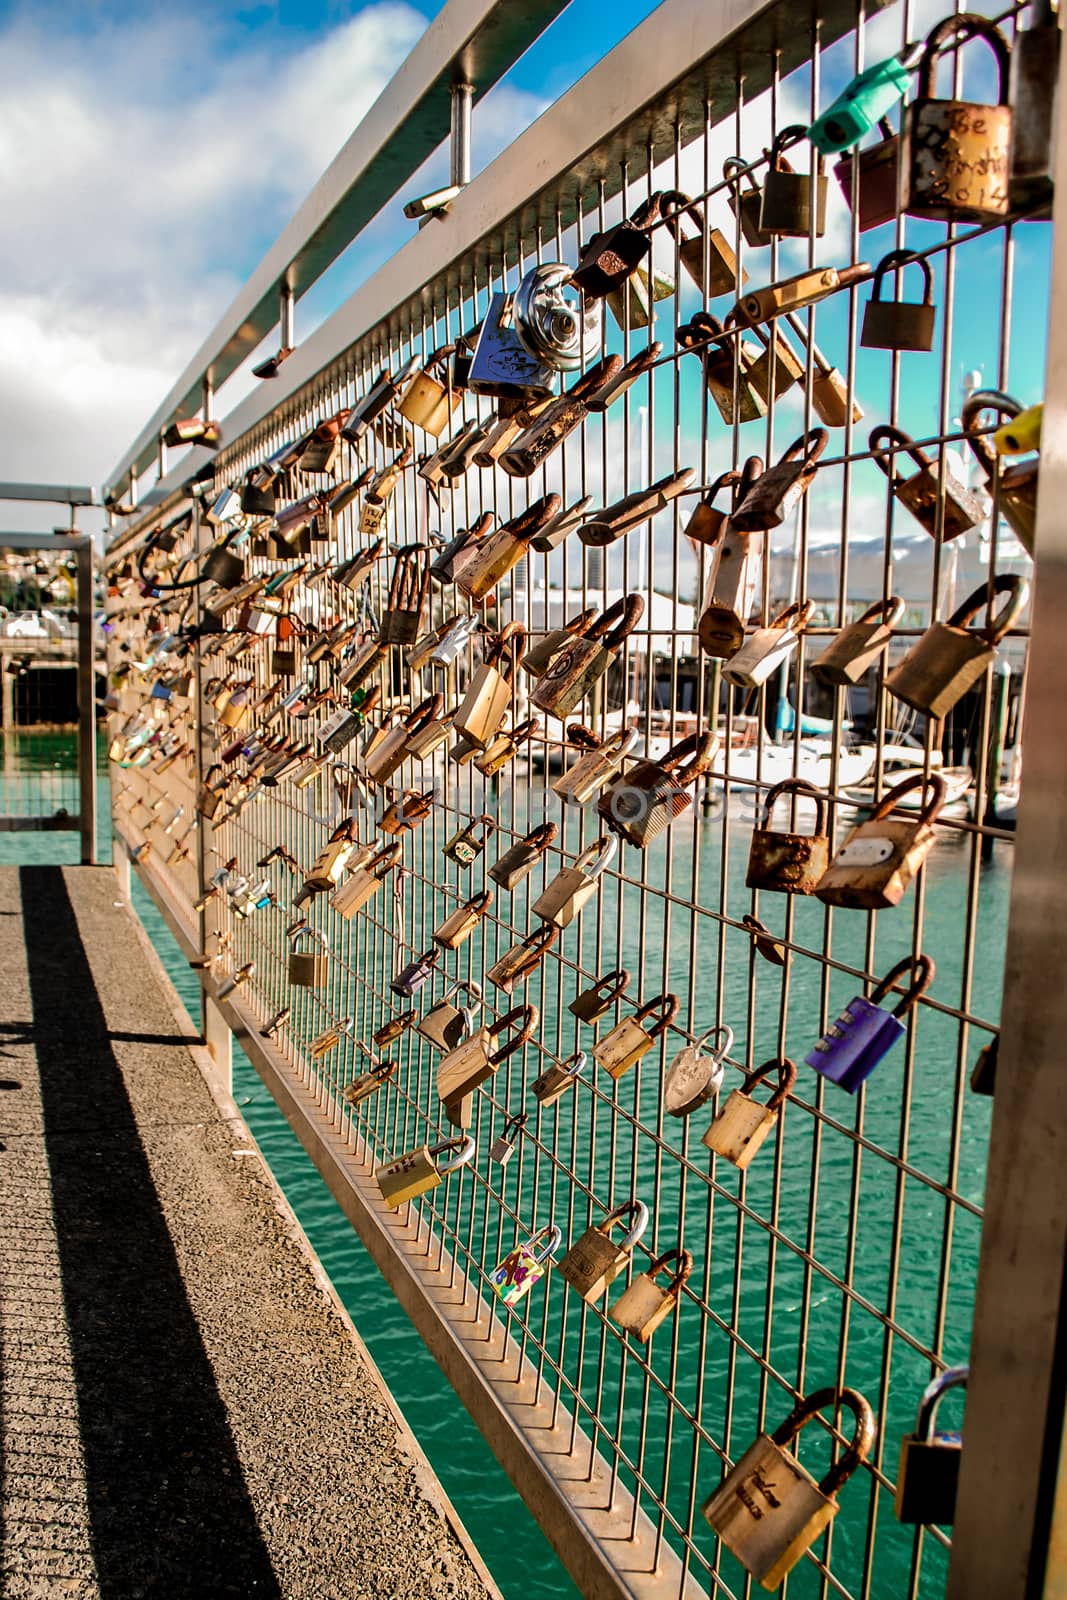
(847, 1253)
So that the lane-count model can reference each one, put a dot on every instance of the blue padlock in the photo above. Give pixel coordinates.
(860, 106)
(852, 1047)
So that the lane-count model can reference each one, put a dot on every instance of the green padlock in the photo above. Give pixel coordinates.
(860, 107)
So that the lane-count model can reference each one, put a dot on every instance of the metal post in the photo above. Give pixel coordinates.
(286, 318)
(462, 101)
(86, 701)
(218, 1038)
(161, 459)
(207, 397)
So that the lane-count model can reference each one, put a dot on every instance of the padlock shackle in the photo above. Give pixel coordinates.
(541, 837)
(794, 786)
(583, 738)
(667, 1005)
(917, 780)
(578, 625)
(787, 1077)
(511, 641)
(647, 214)
(862, 1440)
(526, 523)
(618, 621)
(898, 260)
(725, 480)
(932, 1395)
(734, 169)
(673, 205)
(922, 968)
(1018, 592)
(305, 932)
(903, 441)
(784, 140)
(633, 1211)
(684, 1268)
(345, 831)
(424, 713)
(553, 1238)
(701, 330)
(617, 981)
(464, 1148)
(965, 25)
(574, 1064)
(689, 758)
(383, 860)
(986, 400)
(719, 1051)
(528, 1016)
(597, 855)
(888, 611)
(808, 448)
(795, 616)
(513, 1126)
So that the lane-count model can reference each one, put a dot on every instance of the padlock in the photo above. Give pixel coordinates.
(956, 158)
(733, 577)
(504, 549)
(608, 524)
(984, 1071)
(1035, 62)
(382, 392)
(473, 1062)
(645, 1304)
(329, 1039)
(623, 1047)
(558, 1078)
(211, 792)
(308, 968)
(562, 523)
(609, 257)
(727, 362)
(406, 812)
(368, 1083)
(641, 804)
(362, 664)
(928, 1474)
(876, 176)
(378, 493)
(531, 335)
(850, 654)
(580, 664)
(779, 366)
(744, 1123)
(446, 1025)
(1016, 485)
(923, 493)
(454, 641)
(780, 489)
(599, 760)
(458, 926)
(538, 657)
(319, 447)
(488, 695)
(365, 882)
(767, 649)
(402, 619)
(788, 863)
(222, 566)
(410, 979)
(633, 303)
(951, 657)
(427, 402)
(831, 399)
(504, 746)
(724, 276)
(431, 731)
(899, 324)
(852, 1046)
(707, 522)
(294, 520)
(393, 1028)
(791, 205)
(237, 708)
(570, 891)
(512, 417)
(519, 859)
(863, 103)
(595, 1260)
(696, 1074)
(746, 204)
(769, 1510)
(461, 550)
(556, 422)
(415, 734)
(339, 729)
(467, 844)
(793, 294)
(881, 855)
(234, 981)
(352, 574)
(521, 961)
(419, 1171)
(503, 1146)
(332, 859)
(512, 1280)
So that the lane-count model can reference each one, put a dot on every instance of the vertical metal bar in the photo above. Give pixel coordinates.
(460, 141)
(286, 318)
(86, 702)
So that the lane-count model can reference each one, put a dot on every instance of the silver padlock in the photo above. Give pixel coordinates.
(696, 1074)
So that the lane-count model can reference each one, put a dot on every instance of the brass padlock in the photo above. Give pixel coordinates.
(353, 573)
(727, 360)
(645, 1304)
(769, 1510)
(430, 730)
(419, 1171)
(393, 1028)
(382, 392)
(609, 257)
(595, 1260)
(929, 1470)
(575, 669)
(831, 400)
(641, 804)
(562, 523)
(503, 1146)
(595, 1001)
(767, 649)
(744, 1123)
(876, 169)
(788, 863)
(504, 746)
(1035, 63)
(427, 402)
(778, 367)
(446, 1025)
(745, 203)
(556, 422)
(519, 859)
(488, 695)
(365, 882)
(852, 653)
(331, 861)
(956, 159)
(521, 961)
(570, 891)
(724, 276)
(793, 205)
(793, 294)
(474, 1061)
(951, 657)
(706, 521)
(467, 844)
(633, 303)
(402, 619)
(628, 1041)
(599, 760)
(922, 493)
(500, 551)
(458, 926)
(899, 324)
(880, 856)
(780, 489)
(368, 1083)
(460, 551)
(406, 812)
(308, 968)
(558, 1078)
(411, 978)
(1016, 485)
(696, 1074)
(362, 664)
(538, 657)
(212, 792)
(608, 524)
(234, 981)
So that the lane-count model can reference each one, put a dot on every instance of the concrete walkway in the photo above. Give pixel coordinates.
(183, 1410)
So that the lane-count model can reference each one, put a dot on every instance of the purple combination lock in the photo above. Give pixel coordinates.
(852, 1047)
(411, 979)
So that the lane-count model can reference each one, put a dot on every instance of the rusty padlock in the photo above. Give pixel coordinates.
(458, 926)
(641, 804)
(500, 551)
(724, 276)
(365, 881)
(393, 1028)
(899, 324)
(779, 490)
(368, 1083)
(608, 524)
(956, 158)
(599, 761)
(518, 964)
(921, 493)
(402, 619)
(744, 1123)
(792, 201)
(766, 649)
(852, 653)
(460, 550)
(1016, 485)
(877, 178)
(881, 855)
(951, 657)
(538, 657)
(596, 1259)
(596, 1000)
(788, 863)
(488, 695)
(745, 203)
(707, 521)
(626, 1043)
(727, 362)
(504, 746)
(584, 660)
(519, 860)
(645, 1304)
(609, 257)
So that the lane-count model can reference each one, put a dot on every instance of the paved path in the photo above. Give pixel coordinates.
(183, 1412)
